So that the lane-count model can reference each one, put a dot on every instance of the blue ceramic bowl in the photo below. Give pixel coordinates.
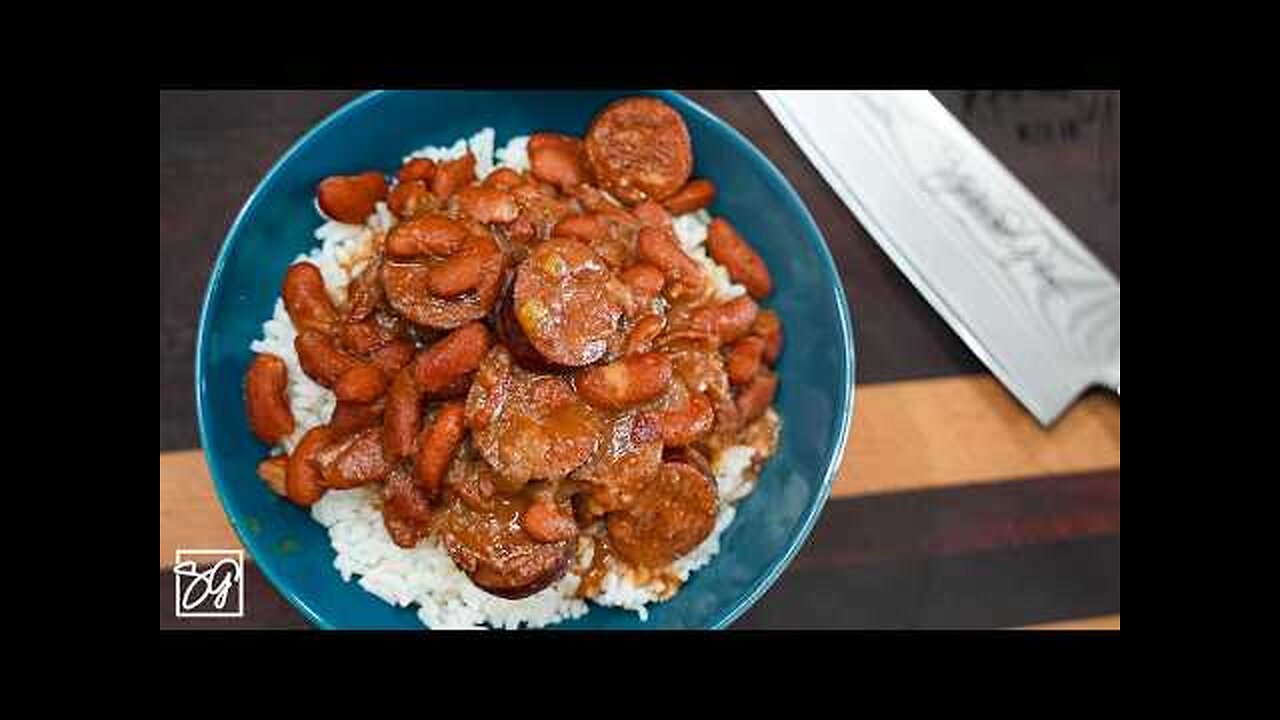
(376, 130)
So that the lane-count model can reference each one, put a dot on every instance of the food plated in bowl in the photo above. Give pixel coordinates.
(511, 379)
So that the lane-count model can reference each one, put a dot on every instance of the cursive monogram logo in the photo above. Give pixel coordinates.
(209, 592)
(1014, 240)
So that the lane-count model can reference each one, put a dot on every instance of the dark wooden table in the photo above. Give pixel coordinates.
(996, 524)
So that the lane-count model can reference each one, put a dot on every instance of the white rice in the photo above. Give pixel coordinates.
(425, 576)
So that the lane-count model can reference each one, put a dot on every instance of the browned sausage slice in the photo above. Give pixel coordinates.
(564, 304)
(670, 516)
(526, 425)
(409, 289)
(496, 552)
(639, 149)
(627, 459)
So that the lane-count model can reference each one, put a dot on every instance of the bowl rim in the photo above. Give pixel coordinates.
(773, 176)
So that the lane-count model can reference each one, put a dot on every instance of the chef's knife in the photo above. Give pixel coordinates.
(1017, 286)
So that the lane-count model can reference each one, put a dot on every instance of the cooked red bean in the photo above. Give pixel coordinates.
(351, 198)
(488, 205)
(652, 214)
(394, 355)
(547, 522)
(695, 195)
(426, 235)
(639, 149)
(361, 384)
(745, 266)
(683, 425)
(503, 179)
(403, 415)
(306, 299)
(757, 396)
(364, 292)
(684, 276)
(744, 359)
(453, 175)
(563, 303)
(411, 198)
(457, 354)
(645, 281)
(557, 159)
(321, 358)
(643, 333)
(437, 446)
(406, 510)
(728, 321)
(360, 461)
(352, 417)
(417, 169)
(589, 229)
(625, 383)
(266, 401)
(673, 514)
(769, 327)
(303, 482)
(272, 471)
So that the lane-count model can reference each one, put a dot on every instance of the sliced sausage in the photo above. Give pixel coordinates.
(406, 511)
(497, 554)
(685, 423)
(639, 149)
(351, 198)
(354, 461)
(303, 482)
(437, 446)
(558, 159)
(452, 175)
(627, 459)
(408, 288)
(563, 303)
(672, 514)
(695, 195)
(527, 425)
(471, 480)
(625, 383)
(306, 299)
(266, 400)
(744, 264)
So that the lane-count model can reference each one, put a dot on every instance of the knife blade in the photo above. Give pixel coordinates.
(1013, 282)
